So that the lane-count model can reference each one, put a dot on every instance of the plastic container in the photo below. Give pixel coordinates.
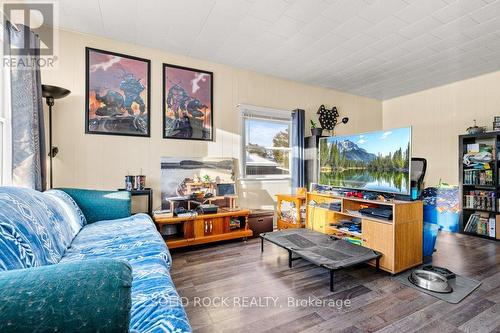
(430, 214)
(430, 236)
(441, 207)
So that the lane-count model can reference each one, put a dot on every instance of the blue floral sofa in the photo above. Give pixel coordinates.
(75, 261)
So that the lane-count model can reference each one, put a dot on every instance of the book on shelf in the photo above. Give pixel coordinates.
(492, 227)
(478, 177)
(484, 200)
(475, 148)
(471, 225)
(482, 224)
(234, 223)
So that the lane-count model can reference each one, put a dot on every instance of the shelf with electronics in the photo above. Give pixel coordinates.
(198, 229)
(206, 213)
(398, 235)
(480, 184)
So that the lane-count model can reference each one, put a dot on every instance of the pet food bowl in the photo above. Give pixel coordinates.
(430, 281)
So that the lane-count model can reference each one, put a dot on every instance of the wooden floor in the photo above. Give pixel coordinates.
(257, 289)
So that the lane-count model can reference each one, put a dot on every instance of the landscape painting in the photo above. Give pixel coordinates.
(117, 94)
(376, 161)
(187, 103)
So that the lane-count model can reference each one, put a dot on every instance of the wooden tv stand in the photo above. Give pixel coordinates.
(398, 239)
(205, 228)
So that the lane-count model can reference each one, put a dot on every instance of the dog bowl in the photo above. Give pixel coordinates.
(430, 281)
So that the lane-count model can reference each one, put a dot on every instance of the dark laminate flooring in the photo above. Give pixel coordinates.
(233, 287)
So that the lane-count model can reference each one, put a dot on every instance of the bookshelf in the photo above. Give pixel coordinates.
(479, 181)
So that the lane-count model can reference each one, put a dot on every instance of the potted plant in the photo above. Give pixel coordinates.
(315, 130)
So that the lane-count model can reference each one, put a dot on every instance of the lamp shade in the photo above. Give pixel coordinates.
(54, 92)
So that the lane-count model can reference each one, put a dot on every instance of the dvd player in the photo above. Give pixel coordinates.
(383, 213)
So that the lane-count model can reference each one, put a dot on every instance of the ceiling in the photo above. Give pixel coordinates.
(375, 48)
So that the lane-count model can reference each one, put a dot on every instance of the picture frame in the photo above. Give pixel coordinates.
(117, 94)
(187, 103)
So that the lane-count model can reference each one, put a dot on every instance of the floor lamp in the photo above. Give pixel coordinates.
(51, 93)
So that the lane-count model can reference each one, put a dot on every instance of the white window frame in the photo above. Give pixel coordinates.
(266, 114)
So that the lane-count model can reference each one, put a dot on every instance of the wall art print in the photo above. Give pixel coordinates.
(187, 103)
(117, 94)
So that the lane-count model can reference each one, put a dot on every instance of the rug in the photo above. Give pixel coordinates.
(462, 287)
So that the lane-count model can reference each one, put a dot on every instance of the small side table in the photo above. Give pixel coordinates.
(147, 191)
(298, 200)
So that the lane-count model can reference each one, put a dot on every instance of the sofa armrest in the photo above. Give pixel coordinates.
(101, 205)
(83, 296)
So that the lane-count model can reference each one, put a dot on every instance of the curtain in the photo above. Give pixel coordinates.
(298, 160)
(28, 137)
(5, 119)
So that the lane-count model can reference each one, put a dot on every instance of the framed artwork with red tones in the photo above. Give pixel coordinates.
(187, 103)
(117, 94)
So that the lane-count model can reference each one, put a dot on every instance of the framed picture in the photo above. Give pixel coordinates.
(187, 103)
(117, 94)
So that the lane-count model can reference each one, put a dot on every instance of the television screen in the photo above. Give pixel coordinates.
(376, 161)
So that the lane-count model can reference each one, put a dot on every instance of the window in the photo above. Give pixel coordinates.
(266, 149)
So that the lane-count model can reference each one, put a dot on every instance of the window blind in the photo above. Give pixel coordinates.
(256, 112)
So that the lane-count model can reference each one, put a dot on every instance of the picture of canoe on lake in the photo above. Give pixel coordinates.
(376, 161)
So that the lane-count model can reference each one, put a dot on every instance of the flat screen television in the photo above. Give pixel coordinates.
(375, 161)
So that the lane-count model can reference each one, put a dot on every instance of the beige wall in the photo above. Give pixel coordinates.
(439, 115)
(97, 161)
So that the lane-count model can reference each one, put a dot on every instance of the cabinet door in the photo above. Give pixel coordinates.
(310, 217)
(213, 226)
(379, 236)
(314, 219)
(218, 226)
(319, 220)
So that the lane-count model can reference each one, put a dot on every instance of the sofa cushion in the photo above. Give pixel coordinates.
(33, 229)
(156, 306)
(88, 296)
(74, 215)
(99, 205)
(129, 238)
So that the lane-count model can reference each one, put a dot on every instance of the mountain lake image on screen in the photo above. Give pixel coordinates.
(375, 161)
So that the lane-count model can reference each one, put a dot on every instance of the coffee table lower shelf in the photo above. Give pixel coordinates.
(176, 243)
